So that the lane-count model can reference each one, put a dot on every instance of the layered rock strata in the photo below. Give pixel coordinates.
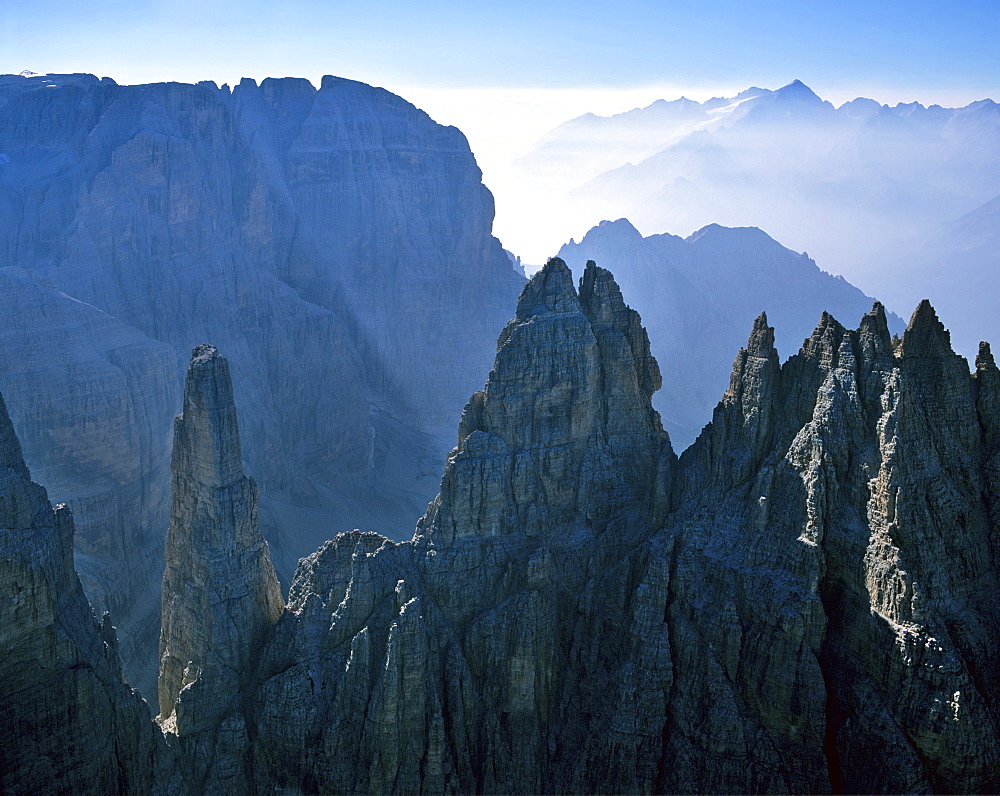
(68, 721)
(335, 242)
(220, 593)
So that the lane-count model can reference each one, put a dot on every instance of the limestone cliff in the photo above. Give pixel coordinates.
(70, 723)
(334, 242)
(220, 593)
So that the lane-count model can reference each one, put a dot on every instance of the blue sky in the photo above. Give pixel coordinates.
(894, 48)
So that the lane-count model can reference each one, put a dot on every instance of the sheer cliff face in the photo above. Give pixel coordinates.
(334, 242)
(820, 580)
(70, 723)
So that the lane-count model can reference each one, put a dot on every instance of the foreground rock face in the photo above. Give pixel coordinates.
(578, 611)
(805, 601)
(334, 242)
(70, 722)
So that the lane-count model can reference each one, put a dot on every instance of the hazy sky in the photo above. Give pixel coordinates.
(506, 72)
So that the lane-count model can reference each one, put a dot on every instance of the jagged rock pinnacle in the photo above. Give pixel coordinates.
(761, 341)
(873, 332)
(551, 290)
(220, 593)
(571, 386)
(925, 335)
(984, 359)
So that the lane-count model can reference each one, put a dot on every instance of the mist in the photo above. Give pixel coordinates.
(871, 192)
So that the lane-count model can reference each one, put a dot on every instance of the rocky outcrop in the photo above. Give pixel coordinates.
(334, 242)
(579, 612)
(811, 586)
(815, 579)
(220, 593)
(844, 508)
(70, 722)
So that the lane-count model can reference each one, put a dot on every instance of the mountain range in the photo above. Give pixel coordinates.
(698, 295)
(859, 187)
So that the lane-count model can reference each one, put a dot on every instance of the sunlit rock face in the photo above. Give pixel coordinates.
(70, 722)
(581, 612)
(334, 242)
(844, 501)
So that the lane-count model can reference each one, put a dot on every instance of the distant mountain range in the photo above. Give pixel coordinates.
(854, 186)
(698, 295)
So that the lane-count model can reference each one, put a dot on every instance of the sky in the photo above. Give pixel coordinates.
(507, 72)
(541, 59)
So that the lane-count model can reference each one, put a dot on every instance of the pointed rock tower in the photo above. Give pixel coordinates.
(220, 593)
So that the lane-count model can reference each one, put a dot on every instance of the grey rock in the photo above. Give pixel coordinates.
(335, 242)
(71, 724)
(816, 578)
(813, 582)
(220, 593)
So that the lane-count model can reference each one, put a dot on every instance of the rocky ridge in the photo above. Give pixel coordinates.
(813, 582)
(578, 611)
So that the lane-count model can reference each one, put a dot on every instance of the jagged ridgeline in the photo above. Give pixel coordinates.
(806, 601)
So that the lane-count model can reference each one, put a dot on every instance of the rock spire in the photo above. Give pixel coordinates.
(220, 593)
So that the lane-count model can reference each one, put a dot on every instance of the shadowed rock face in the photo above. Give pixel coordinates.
(334, 242)
(815, 581)
(70, 722)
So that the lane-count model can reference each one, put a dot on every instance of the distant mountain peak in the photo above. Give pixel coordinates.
(712, 232)
(799, 91)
